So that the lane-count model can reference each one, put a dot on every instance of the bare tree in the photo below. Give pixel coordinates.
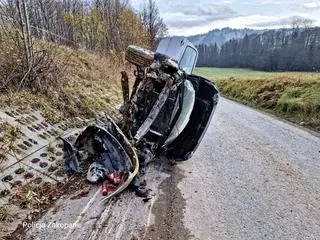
(27, 65)
(301, 23)
(104, 26)
(152, 22)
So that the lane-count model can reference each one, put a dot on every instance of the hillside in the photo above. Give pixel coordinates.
(65, 59)
(294, 96)
(274, 50)
(220, 36)
(89, 84)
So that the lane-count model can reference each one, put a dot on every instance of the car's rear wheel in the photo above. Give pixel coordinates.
(139, 56)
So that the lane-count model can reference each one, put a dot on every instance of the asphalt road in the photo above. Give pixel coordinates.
(252, 177)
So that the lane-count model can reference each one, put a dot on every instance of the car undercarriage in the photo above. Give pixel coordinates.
(166, 115)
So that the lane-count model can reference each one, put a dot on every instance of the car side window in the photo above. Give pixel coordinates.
(188, 59)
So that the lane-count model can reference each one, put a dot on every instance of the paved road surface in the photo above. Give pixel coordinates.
(252, 177)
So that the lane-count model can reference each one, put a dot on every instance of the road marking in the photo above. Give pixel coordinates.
(103, 216)
(81, 215)
(119, 231)
(149, 218)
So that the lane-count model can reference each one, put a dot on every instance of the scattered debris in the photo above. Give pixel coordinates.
(96, 173)
(166, 115)
(142, 191)
(143, 182)
(110, 154)
(147, 199)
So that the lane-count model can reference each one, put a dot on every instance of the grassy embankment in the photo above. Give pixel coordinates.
(295, 96)
(90, 84)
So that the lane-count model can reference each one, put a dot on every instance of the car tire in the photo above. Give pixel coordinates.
(139, 56)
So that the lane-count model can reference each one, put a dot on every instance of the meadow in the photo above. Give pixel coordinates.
(294, 96)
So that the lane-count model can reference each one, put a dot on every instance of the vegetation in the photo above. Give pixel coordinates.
(64, 57)
(152, 22)
(4, 215)
(103, 25)
(8, 135)
(292, 95)
(91, 83)
(296, 49)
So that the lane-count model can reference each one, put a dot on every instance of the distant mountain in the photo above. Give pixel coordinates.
(220, 36)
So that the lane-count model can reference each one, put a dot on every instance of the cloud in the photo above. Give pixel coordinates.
(311, 5)
(205, 10)
(307, 7)
(187, 15)
(237, 22)
(283, 22)
(226, 2)
(272, 2)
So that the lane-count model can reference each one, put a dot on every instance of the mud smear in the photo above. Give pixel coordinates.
(168, 210)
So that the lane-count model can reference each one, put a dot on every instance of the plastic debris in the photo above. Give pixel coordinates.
(96, 173)
(147, 199)
(113, 160)
(142, 191)
(71, 161)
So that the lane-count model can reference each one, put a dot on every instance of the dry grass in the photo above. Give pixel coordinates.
(6, 213)
(293, 96)
(35, 68)
(8, 135)
(90, 84)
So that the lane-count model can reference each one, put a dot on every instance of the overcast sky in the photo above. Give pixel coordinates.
(190, 17)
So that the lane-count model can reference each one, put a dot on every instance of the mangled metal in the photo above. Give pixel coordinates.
(166, 114)
(167, 102)
(109, 153)
(163, 96)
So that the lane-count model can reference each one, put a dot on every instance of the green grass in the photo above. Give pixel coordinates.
(241, 73)
(294, 96)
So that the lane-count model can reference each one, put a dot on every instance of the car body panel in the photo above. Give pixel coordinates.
(207, 97)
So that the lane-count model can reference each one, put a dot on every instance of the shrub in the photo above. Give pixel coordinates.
(36, 69)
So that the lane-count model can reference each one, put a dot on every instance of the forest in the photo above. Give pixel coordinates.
(296, 49)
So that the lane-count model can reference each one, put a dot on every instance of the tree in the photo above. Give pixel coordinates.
(273, 50)
(28, 28)
(152, 22)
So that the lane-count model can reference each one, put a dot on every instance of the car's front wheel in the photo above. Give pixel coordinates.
(139, 56)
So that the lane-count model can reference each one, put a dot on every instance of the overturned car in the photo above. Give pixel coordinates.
(167, 114)
(169, 109)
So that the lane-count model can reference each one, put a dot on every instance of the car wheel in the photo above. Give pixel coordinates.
(139, 56)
